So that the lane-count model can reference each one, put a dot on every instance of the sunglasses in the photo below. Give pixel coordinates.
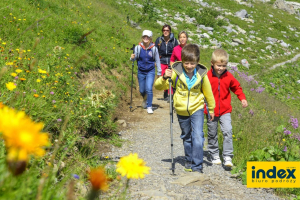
(166, 30)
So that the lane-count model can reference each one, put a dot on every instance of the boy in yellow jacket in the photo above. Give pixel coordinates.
(192, 85)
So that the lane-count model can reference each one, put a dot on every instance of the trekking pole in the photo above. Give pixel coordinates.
(132, 77)
(171, 121)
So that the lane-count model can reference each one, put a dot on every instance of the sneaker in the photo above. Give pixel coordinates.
(198, 170)
(167, 99)
(165, 94)
(227, 162)
(216, 160)
(149, 110)
(188, 166)
(144, 104)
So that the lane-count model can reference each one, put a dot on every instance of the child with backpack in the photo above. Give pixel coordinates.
(222, 82)
(192, 85)
(146, 55)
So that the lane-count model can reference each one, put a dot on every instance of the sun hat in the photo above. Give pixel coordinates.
(147, 32)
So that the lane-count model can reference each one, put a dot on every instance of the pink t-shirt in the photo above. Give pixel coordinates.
(176, 54)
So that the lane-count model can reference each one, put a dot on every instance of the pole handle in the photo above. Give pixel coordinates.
(133, 46)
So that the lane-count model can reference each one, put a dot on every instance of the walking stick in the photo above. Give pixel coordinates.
(133, 46)
(171, 121)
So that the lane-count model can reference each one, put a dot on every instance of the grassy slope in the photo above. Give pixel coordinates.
(62, 23)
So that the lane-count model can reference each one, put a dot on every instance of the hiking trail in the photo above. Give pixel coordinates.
(149, 136)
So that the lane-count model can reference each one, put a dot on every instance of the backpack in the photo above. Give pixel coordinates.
(160, 41)
(138, 50)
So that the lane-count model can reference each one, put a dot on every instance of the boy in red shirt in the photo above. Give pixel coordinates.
(222, 82)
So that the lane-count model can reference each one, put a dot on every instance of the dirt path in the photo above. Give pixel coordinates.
(149, 136)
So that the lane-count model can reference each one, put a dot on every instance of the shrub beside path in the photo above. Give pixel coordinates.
(150, 138)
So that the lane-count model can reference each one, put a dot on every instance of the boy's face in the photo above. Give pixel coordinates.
(219, 67)
(189, 66)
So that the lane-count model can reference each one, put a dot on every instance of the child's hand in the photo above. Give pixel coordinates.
(168, 73)
(132, 56)
(244, 103)
(212, 116)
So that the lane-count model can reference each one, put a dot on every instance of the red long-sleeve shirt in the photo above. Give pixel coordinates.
(221, 89)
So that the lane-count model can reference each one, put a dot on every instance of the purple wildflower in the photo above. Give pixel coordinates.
(251, 112)
(256, 82)
(16, 77)
(285, 148)
(294, 122)
(287, 132)
(234, 68)
(273, 85)
(240, 115)
(296, 136)
(252, 89)
(288, 97)
(75, 176)
(59, 120)
(34, 90)
(51, 92)
(53, 101)
(260, 89)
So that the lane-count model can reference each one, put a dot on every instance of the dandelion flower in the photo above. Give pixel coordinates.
(10, 86)
(19, 71)
(23, 79)
(22, 136)
(14, 74)
(36, 95)
(42, 71)
(98, 179)
(38, 80)
(132, 167)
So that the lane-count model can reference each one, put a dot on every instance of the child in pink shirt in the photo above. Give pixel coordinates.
(176, 55)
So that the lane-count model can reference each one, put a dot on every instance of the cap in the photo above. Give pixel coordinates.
(147, 32)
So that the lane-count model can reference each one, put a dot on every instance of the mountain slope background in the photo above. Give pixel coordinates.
(85, 47)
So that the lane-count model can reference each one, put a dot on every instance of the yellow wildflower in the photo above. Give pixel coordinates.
(283, 140)
(42, 71)
(10, 86)
(14, 74)
(43, 76)
(38, 80)
(36, 95)
(19, 71)
(132, 167)
(22, 79)
(9, 63)
(22, 136)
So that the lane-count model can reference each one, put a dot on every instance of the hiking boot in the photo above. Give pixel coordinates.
(228, 162)
(149, 110)
(216, 160)
(198, 170)
(144, 103)
(188, 166)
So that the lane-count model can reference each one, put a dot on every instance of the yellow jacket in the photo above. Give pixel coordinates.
(186, 102)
